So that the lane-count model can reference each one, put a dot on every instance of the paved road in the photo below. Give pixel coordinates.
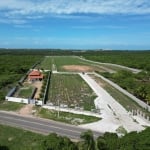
(43, 126)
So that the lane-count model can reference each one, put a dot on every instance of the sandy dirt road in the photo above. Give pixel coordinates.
(112, 113)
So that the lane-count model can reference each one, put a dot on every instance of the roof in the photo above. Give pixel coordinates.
(35, 73)
(36, 77)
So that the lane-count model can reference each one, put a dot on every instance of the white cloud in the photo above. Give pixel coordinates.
(31, 9)
(12, 21)
(87, 27)
(76, 6)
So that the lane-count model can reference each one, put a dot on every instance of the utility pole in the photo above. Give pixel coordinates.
(58, 109)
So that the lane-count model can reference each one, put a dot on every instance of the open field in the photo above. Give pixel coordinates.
(60, 61)
(71, 91)
(70, 63)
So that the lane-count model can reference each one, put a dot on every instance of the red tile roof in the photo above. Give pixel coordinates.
(35, 73)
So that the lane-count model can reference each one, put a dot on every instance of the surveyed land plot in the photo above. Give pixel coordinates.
(71, 91)
(59, 62)
(66, 63)
(70, 64)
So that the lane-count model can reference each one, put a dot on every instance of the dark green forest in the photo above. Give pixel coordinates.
(13, 138)
(12, 68)
(133, 59)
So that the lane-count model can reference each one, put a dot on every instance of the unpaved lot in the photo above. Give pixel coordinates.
(26, 110)
(38, 85)
(78, 68)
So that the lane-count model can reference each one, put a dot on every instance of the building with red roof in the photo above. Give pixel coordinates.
(35, 75)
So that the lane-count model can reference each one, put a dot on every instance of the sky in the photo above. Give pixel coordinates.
(75, 24)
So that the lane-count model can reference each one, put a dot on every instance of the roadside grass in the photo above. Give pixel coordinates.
(71, 91)
(10, 106)
(19, 139)
(66, 117)
(124, 100)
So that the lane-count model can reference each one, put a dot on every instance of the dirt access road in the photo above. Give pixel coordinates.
(113, 114)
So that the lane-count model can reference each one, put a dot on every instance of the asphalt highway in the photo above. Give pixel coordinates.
(43, 126)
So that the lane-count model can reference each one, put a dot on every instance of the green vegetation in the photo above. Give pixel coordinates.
(25, 92)
(57, 62)
(72, 91)
(137, 84)
(10, 106)
(133, 59)
(12, 68)
(13, 138)
(66, 117)
(18, 139)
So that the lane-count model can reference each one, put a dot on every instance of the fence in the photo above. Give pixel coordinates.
(15, 99)
(47, 88)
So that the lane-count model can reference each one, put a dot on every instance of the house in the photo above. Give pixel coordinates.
(35, 75)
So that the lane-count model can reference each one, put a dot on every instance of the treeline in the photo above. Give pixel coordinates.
(133, 59)
(109, 141)
(12, 68)
(137, 84)
(39, 52)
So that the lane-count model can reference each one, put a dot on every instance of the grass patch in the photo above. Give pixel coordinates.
(71, 90)
(25, 92)
(10, 106)
(18, 139)
(66, 117)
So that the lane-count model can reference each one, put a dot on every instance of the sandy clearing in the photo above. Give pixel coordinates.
(38, 85)
(26, 110)
(78, 68)
(113, 114)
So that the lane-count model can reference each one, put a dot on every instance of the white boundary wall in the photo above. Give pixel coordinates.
(87, 113)
(39, 102)
(22, 100)
(19, 100)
